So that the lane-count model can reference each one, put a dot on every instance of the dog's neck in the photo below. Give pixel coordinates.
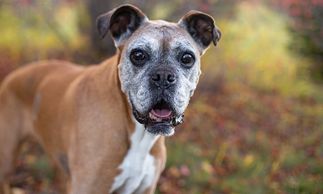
(138, 164)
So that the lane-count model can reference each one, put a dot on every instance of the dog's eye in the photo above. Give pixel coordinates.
(138, 57)
(187, 60)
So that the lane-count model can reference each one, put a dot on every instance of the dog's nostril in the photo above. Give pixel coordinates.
(155, 77)
(163, 78)
(171, 78)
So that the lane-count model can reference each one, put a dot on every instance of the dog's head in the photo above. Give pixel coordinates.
(160, 62)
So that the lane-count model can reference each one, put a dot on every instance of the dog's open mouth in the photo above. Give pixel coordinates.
(161, 112)
(161, 119)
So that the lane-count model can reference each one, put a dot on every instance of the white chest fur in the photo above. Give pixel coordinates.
(138, 167)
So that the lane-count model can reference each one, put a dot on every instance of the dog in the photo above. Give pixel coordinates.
(105, 125)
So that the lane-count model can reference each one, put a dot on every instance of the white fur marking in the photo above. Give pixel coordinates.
(138, 167)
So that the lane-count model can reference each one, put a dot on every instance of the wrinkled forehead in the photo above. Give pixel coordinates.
(156, 35)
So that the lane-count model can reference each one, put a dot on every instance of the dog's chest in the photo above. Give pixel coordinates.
(137, 171)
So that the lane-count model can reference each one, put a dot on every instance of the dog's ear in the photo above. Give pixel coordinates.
(121, 22)
(201, 27)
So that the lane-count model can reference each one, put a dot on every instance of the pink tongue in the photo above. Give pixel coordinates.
(162, 113)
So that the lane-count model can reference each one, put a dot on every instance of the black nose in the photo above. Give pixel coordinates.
(163, 78)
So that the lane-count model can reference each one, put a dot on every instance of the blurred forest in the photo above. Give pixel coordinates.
(255, 124)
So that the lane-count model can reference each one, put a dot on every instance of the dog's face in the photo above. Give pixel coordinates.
(160, 62)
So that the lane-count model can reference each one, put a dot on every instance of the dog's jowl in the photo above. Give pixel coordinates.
(105, 125)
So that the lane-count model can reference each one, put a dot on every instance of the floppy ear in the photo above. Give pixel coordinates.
(201, 27)
(121, 22)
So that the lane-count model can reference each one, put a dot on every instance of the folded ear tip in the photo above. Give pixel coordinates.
(102, 24)
(202, 27)
(128, 5)
(124, 19)
(216, 35)
(102, 31)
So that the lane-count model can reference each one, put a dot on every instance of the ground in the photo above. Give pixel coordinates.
(235, 139)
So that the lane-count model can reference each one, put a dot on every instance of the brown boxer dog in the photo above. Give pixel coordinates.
(104, 125)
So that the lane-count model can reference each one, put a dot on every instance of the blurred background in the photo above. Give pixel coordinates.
(255, 124)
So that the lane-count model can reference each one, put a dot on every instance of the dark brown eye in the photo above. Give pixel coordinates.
(138, 57)
(187, 60)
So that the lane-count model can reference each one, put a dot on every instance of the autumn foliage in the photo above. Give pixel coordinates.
(255, 123)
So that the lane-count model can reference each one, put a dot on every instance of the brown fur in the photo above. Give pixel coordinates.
(78, 114)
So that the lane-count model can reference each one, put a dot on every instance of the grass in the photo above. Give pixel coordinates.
(240, 140)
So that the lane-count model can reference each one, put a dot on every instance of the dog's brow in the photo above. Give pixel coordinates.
(182, 45)
(141, 45)
(165, 41)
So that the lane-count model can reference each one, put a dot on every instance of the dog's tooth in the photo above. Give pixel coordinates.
(153, 117)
